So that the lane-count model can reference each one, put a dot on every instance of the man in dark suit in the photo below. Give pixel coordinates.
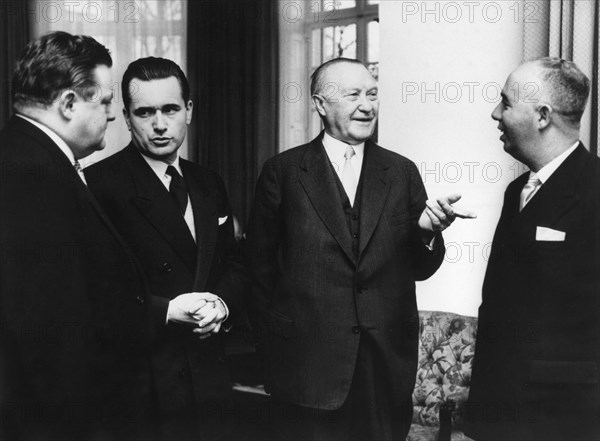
(340, 231)
(175, 215)
(536, 367)
(75, 327)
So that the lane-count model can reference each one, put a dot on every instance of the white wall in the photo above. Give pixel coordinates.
(461, 52)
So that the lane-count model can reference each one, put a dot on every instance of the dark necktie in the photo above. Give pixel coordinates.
(178, 189)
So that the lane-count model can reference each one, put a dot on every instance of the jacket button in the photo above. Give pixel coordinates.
(181, 373)
(140, 300)
(167, 267)
(355, 236)
(355, 217)
(356, 329)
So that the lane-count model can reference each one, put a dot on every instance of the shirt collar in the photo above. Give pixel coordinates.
(546, 171)
(60, 143)
(336, 149)
(160, 167)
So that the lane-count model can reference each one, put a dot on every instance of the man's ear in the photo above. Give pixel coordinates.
(319, 102)
(545, 116)
(189, 108)
(126, 116)
(66, 103)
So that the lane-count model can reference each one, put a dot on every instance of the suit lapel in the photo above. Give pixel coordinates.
(375, 190)
(70, 173)
(158, 206)
(557, 196)
(318, 181)
(205, 220)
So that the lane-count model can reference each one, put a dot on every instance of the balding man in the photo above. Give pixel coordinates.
(339, 232)
(536, 367)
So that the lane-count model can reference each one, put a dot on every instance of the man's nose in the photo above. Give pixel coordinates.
(365, 104)
(110, 113)
(159, 124)
(496, 113)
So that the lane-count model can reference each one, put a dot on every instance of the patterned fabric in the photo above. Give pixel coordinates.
(446, 349)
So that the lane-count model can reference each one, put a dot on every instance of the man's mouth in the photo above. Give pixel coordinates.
(159, 141)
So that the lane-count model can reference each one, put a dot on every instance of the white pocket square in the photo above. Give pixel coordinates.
(549, 235)
(222, 220)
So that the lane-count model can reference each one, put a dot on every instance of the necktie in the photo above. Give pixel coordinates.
(348, 177)
(79, 171)
(533, 184)
(178, 188)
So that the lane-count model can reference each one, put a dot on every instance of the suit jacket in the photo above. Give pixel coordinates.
(74, 348)
(536, 371)
(314, 296)
(188, 371)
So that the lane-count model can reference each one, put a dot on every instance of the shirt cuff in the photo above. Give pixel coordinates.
(431, 245)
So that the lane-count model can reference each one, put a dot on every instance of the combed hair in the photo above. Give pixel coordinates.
(316, 79)
(152, 68)
(57, 61)
(569, 87)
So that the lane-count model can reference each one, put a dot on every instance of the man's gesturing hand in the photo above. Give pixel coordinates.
(439, 214)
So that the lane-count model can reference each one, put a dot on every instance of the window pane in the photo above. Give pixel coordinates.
(160, 9)
(373, 48)
(329, 5)
(339, 41)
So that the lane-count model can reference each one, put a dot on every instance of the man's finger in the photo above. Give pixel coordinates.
(452, 198)
(435, 222)
(436, 210)
(464, 214)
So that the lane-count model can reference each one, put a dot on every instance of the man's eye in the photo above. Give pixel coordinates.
(373, 96)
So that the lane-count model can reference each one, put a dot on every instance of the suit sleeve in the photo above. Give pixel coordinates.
(263, 238)
(425, 261)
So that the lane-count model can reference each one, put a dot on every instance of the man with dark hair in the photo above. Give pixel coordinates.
(339, 232)
(175, 215)
(537, 361)
(75, 332)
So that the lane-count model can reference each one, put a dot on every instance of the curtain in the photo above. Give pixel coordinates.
(233, 69)
(568, 29)
(14, 35)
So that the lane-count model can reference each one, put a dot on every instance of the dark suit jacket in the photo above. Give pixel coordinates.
(314, 296)
(188, 371)
(75, 326)
(536, 371)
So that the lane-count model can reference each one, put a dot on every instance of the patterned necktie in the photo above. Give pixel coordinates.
(533, 184)
(79, 171)
(348, 177)
(178, 188)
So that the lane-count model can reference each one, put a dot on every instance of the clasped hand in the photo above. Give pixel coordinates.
(203, 310)
(439, 214)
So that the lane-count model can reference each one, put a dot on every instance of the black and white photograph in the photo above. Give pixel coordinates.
(299, 220)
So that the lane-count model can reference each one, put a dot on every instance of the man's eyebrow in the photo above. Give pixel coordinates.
(144, 109)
